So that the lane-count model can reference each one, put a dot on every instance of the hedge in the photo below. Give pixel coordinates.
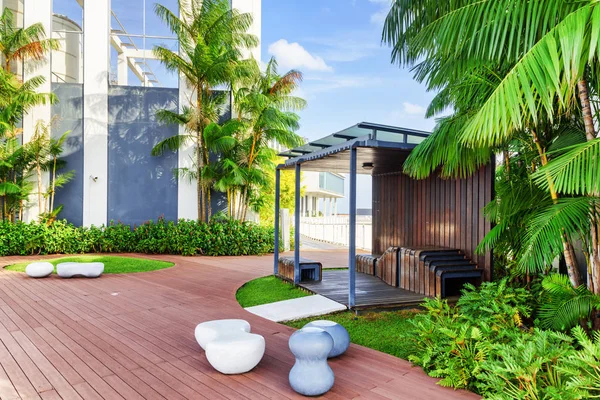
(220, 237)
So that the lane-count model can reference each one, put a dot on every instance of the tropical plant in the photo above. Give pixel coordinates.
(17, 98)
(44, 151)
(19, 44)
(545, 57)
(528, 367)
(211, 38)
(584, 365)
(267, 106)
(563, 306)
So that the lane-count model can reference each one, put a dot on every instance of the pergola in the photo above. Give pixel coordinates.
(383, 149)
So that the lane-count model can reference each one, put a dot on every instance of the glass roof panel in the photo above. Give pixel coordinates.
(390, 137)
(384, 133)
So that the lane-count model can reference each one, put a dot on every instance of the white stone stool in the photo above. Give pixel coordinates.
(236, 352)
(39, 269)
(88, 270)
(209, 331)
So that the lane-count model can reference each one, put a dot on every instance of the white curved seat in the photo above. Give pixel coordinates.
(88, 270)
(210, 330)
(39, 269)
(235, 352)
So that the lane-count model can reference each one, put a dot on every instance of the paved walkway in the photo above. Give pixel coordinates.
(131, 336)
(303, 307)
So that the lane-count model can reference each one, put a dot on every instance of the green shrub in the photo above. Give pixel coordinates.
(217, 238)
(528, 367)
(485, 344)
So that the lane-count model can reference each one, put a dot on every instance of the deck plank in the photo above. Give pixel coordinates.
(131, 336)
(370, 290)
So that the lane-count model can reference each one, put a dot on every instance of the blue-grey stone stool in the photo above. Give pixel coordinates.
(341, 338)
(311, 375)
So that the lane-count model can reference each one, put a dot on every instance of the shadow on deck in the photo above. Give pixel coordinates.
(371, 292)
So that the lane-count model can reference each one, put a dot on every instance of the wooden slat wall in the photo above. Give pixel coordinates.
(433, 212)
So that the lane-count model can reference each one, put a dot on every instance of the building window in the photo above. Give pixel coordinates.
(135, 31)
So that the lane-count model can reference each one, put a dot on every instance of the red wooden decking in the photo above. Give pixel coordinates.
(132, 336)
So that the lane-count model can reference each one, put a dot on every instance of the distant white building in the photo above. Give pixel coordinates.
(322, 191)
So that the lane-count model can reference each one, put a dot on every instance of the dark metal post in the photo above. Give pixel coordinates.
(352, 238)
(277, 201)
(297, 229)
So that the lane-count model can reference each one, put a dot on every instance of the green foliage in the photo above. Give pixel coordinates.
(583, 366)
(520, 77)
(496, 304)
(563, 306)
(483, 343)
(452, 342)
(268, 289)
(216, 238)
(112, 264)
(527, 367)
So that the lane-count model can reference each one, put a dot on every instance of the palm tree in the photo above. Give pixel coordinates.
(268, 107)
(211, 37)
(19, 44)
(547, 53)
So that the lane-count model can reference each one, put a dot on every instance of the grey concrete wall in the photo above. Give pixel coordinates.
(69, 111)
(140, 187)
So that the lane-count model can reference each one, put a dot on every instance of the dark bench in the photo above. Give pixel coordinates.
(440, 271)
(444, 275)
(310, 271)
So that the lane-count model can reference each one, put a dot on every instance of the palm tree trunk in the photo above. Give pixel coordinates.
(38, 169)
(208, 205)
(590, 134)
(568, 250)
(506, 157)
(242, 203)
(53, 186)
(586, 110)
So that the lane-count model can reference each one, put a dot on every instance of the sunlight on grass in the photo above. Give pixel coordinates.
(112, 264)
(267, 290)
(383, 331)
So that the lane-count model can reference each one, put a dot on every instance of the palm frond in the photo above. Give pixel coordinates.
(544, 237)
(173, 144)
(575, 172)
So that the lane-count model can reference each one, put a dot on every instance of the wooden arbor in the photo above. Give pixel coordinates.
(408, 214)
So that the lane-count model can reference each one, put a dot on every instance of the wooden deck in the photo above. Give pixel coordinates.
(371, 292)
(131, 337)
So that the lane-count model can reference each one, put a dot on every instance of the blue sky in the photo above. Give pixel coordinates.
(348, 76)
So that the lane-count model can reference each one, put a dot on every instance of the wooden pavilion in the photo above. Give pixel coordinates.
(424, 231)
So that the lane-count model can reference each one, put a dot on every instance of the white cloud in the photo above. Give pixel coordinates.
(349, 46)
(412, 109)
(314, 85)
(293, 55)
(379, 16)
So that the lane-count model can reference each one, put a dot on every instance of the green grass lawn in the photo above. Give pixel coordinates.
(267, 290)
(112, 264)
(383, 331)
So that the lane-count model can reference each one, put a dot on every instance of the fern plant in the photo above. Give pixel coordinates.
(495, 303)
(564, 306)
(584, 365)
(527, 368)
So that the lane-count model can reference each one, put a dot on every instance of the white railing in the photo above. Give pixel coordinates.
(336, 230)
